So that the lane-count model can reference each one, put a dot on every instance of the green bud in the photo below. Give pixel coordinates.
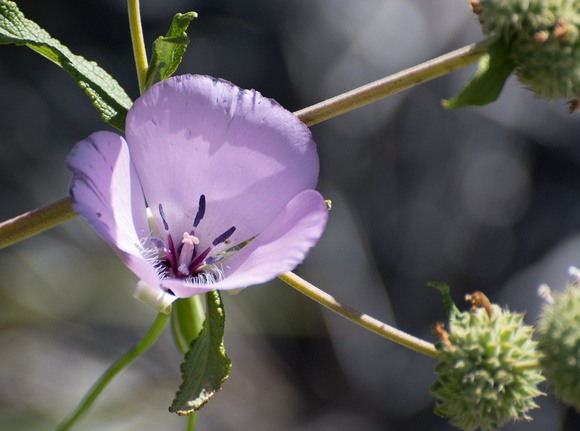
(488, 370)
(543, 40)
(559, 340)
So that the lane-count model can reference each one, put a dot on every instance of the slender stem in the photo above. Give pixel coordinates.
(187, 317)
(138, 42)
(34, 222)
(359, 318)
(392, 84)
(140, 348)
(191, 419)
(312, 115)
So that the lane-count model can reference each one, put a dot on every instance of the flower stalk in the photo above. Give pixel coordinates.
(35, 222)
(138, 42)
(408, 78)
(122, 363)
(359, 318)
(191, 420)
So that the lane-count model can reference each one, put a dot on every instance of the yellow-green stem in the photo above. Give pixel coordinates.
(357, 317)
(141, 347)
(35, 222)
(138, 42)
(187, 317)
(191, 420)
(392, 84)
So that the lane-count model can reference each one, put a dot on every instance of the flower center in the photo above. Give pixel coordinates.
(184, 261)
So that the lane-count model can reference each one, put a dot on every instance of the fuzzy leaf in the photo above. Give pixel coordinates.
(168, 50)
(486, 84)
(106, 94)
(206, 364)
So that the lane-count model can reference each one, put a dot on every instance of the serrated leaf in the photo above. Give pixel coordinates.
(206, 364)
(169, 49)
(450, 308)
(485, 85)
(107, 95)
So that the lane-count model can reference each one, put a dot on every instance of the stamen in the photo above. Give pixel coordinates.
(200, 211)
(161, 246)
(162, 214)
(224, 236)
(199, 259)
(158, 243)
(212, 260)
(170, 252)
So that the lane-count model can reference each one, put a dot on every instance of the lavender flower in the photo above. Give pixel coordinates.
(226, 176)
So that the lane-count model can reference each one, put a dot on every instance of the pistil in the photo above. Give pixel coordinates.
(189, 242)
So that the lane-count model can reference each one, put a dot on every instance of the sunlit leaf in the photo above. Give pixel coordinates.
(106, 94)
(168, 50)
(206, 364)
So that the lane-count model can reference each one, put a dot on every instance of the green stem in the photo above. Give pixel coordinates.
(187, 316)
(35, 222)
(312, 115)
(359, 318)
(392, 84)
(140, 348)
(138, 42)
(191, 419)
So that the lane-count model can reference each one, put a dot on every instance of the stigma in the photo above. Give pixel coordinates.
(186, 254)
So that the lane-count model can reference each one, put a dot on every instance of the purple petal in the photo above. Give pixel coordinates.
(279, 248)
(192, 135)
(106, 192)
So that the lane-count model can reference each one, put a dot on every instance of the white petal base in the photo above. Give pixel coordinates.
(154, 298)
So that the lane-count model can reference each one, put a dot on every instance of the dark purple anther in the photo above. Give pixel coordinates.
(199, 260)
(200, 211)
(162, 214)
(224, 236)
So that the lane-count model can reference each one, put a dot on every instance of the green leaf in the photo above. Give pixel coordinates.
(168, 50)
(206, 364)
(450, 308)
(106, 94)
(486, 84)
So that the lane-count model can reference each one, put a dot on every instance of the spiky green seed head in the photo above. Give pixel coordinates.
(559, 340)
(483, 378)
(543, 40)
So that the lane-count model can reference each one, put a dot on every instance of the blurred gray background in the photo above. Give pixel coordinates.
(483, 199)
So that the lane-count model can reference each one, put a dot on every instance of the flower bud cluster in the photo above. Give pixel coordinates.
(482, 377)
(543, 40)
(559, 340)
